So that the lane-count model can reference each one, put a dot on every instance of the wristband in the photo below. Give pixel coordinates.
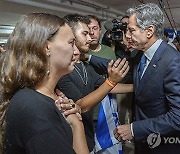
(110, 83)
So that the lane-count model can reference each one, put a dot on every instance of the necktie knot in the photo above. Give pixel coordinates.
(142, 65)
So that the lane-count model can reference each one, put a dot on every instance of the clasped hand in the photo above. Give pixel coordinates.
(123, 133)
(67, 106)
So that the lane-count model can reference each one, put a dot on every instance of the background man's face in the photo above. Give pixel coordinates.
(82, 38)
(94, 31)
(76, 54)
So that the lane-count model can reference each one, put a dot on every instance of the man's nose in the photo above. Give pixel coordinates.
(76, 50)
(128, 34)
(91, 32)
(89, 39)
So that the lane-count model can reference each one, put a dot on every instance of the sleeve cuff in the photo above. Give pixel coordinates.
(132, 129)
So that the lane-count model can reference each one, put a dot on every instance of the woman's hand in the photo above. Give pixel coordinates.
(67, 106)
(117, 70)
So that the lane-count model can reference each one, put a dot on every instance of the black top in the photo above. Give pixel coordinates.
(73, 87)
(35, 126)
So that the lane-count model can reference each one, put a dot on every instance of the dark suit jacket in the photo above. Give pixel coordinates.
(157, 99)
(100, 65)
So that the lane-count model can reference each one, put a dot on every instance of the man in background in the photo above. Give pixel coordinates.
(176, 42)
(166, 37)
(96, 48)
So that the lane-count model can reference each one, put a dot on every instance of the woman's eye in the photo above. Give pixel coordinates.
(85, 34)
(72, 42)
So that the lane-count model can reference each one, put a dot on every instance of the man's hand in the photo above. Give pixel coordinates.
(123, 132)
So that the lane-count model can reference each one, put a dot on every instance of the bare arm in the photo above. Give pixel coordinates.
(71, 114)
(79, 139)
(116, 72)
(122, 88)
(94, 97)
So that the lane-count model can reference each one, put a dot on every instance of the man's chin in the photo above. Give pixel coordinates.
(94, 42)
(134, 45)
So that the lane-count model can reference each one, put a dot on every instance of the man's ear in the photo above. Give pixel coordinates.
(150, 31)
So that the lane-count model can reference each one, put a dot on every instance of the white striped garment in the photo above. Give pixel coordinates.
(105, 142)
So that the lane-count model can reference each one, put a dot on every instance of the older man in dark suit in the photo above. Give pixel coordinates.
(156, 84)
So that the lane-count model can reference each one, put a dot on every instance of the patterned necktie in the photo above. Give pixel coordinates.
(142, 65)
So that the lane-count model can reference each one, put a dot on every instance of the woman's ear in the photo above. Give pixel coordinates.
(47, 49)
(150, 31)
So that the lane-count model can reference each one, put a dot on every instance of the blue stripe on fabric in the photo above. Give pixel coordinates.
(115, 113)
(120, 152)
(103, 135)
(116, 120)
(107, 122)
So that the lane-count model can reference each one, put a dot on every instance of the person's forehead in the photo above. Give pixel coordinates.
(93, 22)
(82, 27)
(132, 20)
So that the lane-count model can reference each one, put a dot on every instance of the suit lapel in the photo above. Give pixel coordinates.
(151, 69)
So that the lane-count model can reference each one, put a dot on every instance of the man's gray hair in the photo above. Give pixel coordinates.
(149, 14)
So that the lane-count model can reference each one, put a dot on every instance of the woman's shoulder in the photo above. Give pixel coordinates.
(28, 98)
(31, 104)
(24, 94)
